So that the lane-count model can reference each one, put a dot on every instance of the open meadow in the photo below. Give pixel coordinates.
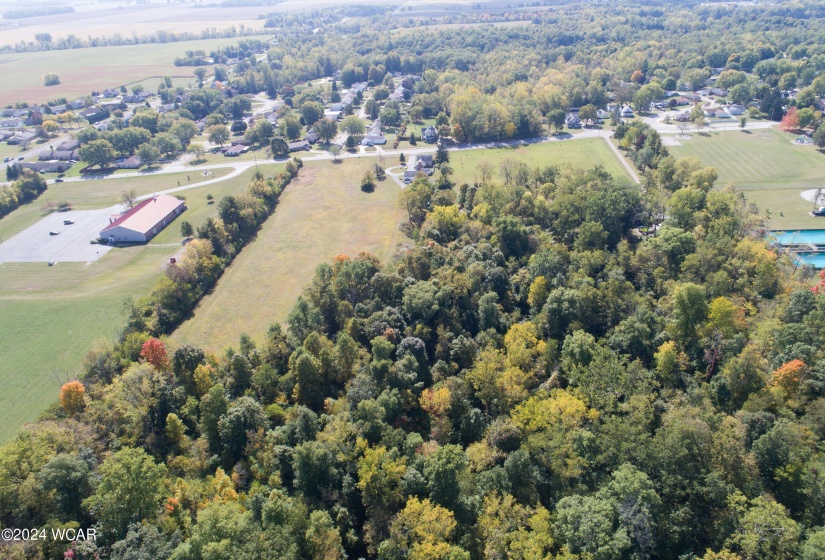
(66, 307)
(82, 71)
(768, 166)
(578, 154)
(321, 214)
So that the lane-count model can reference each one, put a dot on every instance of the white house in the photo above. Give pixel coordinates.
(144, 221)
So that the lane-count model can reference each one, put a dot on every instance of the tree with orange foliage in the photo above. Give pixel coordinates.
(71, 397)
(154, 352)
(785, 379)
(790, 121)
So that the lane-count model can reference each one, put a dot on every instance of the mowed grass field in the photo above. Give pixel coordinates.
(99, 193)
(579, 154)
(769, 167)
(321, 214)
(52, 315)
(82, 71)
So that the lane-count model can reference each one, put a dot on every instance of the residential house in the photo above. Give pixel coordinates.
(419, 164)
(94, 114)
(602, 115)
(129, 163)
(736, 110)
(572, 121)
(429, 135)
(12, 123)
(109, 93)
(46, 166)
(627, 112)
(236, 150)
(59, 109)
(684, 116)
(298, 146)
(76, 104)
(22, 137)
(311, 136)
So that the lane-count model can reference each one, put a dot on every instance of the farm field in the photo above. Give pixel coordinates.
(321, 214)
(83, 70)
(770, 169)
(66, 307)
(580, 154)
(123, 18)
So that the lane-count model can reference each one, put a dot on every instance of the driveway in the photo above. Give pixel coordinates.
(34, 244)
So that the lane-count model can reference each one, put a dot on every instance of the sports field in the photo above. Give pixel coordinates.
(64, 308)
(321, 214)
(82, 71)
(583, 153)
(768, 166)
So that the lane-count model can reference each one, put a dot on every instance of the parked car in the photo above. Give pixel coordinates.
(58, 180)
(21, 158)
(6, 159)
(68, 222)
(54, 233)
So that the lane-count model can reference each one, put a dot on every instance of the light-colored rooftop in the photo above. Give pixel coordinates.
(147, 214)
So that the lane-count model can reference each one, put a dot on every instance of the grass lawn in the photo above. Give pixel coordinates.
(770, 169)
(198, 208)
(83, 70)
(757, 160)
(784, 209)
(51, 316)
(64, 308)
(579, 154)
(92, 194)
(321, 214)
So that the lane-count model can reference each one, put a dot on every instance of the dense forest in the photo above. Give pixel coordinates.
(531, 380)
(534, 378)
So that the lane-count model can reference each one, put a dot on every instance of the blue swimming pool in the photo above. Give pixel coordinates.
(816, 260)
(800, 236)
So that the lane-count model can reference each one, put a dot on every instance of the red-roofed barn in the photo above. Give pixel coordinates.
(144, 221)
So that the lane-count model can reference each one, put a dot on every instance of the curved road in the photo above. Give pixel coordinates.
(180, 166)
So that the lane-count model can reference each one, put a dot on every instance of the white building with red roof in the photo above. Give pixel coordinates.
(142, 222)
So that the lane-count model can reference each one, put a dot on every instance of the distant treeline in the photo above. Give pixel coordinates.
(39, 11)
(116, 39)
(249, 3)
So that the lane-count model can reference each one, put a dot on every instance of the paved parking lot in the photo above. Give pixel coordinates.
(34, 244)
